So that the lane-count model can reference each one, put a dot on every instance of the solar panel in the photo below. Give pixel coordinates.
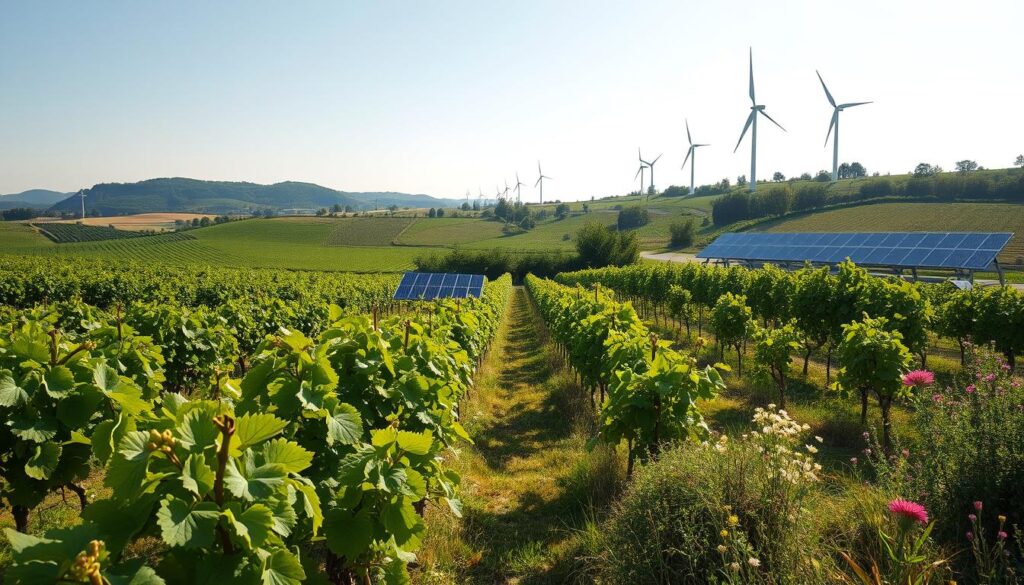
(943, 250)
(437, 285)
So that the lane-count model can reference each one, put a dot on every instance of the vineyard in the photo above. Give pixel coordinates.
(63, 233)
(644, 424)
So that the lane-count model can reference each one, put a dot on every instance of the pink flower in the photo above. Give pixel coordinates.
(970, 535)
(990, 378)
(972, 517)
(977, 506)
(905, 509)
(918, 378)
(936, 397)
(970, 388)
(1002, 535)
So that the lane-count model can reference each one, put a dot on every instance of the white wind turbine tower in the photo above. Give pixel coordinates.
(640, 173)
(755, 109)
(81, 194)
(518, 188)
(650, 165)
(540, 181)
(835, 124)
(689, 153)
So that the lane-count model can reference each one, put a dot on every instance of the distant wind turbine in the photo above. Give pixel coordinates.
(650, 165)
(835, 124)
(81, 193)
(505, 192)
(689, 153)
(497, 193)
(755, 109)
(640, 173)
(518, 188)
(540, 181)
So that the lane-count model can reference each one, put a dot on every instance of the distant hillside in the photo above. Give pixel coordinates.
(180, 194)
(41, 198)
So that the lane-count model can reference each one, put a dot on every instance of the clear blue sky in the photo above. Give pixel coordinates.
(442, 97)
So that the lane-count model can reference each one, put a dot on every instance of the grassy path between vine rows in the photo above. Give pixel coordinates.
(529, 484)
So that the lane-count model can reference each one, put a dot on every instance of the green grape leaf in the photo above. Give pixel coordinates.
(289, 455)
(10, 393)
(253, 429)
(197, 431)
(401, 520)
(415, 443)
(187, 526)
(196, 476)
(37, 429)
(258, 484)
(126, 472)
(310, 503)
(76, 409)
(345, 426)
(58, 381)
(253, 525)
(282, 568)
(42, 464)
(348, 535)
(129, 398)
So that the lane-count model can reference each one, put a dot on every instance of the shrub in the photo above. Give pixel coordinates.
(633, 217)
(809, 197)
(975, 446)
(689, 515)
(599, 245)
(682, 233)
(876, 188)
(773, 356)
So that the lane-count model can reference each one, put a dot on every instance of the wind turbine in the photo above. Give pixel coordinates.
(540, 181)
(835, 124)
(650, 165)
(689, 153)
(518, 188)
(505, 192)
(755, 109)
(640, 173)
(81, 193)
(480, 197)
(497, 193)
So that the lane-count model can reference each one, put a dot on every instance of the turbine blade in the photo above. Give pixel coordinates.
(638, 171)
(850, 105)
(688, 139)
(655, 160)
(752, 100)
(750, 120)
(538, 169)
(773, 121)
(827, 94)
(538, 180)
(835, 117)
(688, 153)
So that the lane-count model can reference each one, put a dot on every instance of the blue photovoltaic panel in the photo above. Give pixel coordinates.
(948, 250)
(436, 285)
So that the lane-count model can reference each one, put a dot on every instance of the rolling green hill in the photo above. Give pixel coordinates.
(180, 194)
(38, 198)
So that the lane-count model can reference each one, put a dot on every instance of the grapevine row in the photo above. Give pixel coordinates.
(317, 460)
(648, 391)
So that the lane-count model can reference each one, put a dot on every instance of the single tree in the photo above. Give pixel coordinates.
(731, 319)
(966, 166)
(777, 177)
(1020, 161)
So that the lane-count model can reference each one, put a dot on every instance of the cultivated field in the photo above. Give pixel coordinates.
(140, 222)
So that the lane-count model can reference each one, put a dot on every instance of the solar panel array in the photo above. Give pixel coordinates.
(945, 250)
(417, 286)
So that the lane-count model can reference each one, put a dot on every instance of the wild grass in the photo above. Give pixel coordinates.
(530, 484)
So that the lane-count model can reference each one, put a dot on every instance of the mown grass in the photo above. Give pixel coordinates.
(529, 485)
